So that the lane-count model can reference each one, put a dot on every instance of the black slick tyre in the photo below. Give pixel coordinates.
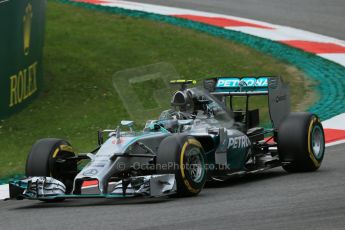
(301, 142)
(183, 156)
(47, 157)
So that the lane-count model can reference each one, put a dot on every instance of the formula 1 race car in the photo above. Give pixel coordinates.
(201, 138)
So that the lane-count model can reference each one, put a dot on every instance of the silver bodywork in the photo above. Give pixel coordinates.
(124, 151)
(118, 154)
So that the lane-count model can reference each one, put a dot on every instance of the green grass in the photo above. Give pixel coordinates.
(84, 49)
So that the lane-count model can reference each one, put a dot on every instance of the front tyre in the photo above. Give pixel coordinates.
(49, 158)
(301, 142)
(183, 156)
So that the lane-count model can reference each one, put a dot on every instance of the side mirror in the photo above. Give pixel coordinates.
(127, 123)
(182, 123)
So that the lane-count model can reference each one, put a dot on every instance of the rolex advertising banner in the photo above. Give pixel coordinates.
(21, 47)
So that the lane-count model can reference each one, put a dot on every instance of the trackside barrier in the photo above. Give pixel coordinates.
(21, 47)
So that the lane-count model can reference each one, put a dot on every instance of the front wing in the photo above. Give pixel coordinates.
(48, 188)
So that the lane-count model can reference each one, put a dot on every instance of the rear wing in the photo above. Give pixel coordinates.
(239, 86)
(276, 90)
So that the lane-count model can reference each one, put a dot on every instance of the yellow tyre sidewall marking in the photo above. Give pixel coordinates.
(56, 152)
(65, 148)
(194, 142)
(311, 154)
(185, 181)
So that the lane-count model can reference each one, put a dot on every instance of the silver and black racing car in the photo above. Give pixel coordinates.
(201, 138)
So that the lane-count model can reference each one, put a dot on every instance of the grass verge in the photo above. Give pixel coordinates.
(84, 49)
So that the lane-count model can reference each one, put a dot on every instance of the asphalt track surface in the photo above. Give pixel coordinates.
(325, 17)
(270, 200)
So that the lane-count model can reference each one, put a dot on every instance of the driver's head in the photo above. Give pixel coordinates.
(182, 100)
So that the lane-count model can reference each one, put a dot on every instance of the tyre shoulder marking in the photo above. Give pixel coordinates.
(66, 148)
(56, 152)
(194, 142)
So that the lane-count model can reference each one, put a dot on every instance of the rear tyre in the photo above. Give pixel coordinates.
(183, 156)
(48, 158)
(301, 142)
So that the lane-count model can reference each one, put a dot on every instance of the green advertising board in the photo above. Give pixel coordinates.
(21, 48)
